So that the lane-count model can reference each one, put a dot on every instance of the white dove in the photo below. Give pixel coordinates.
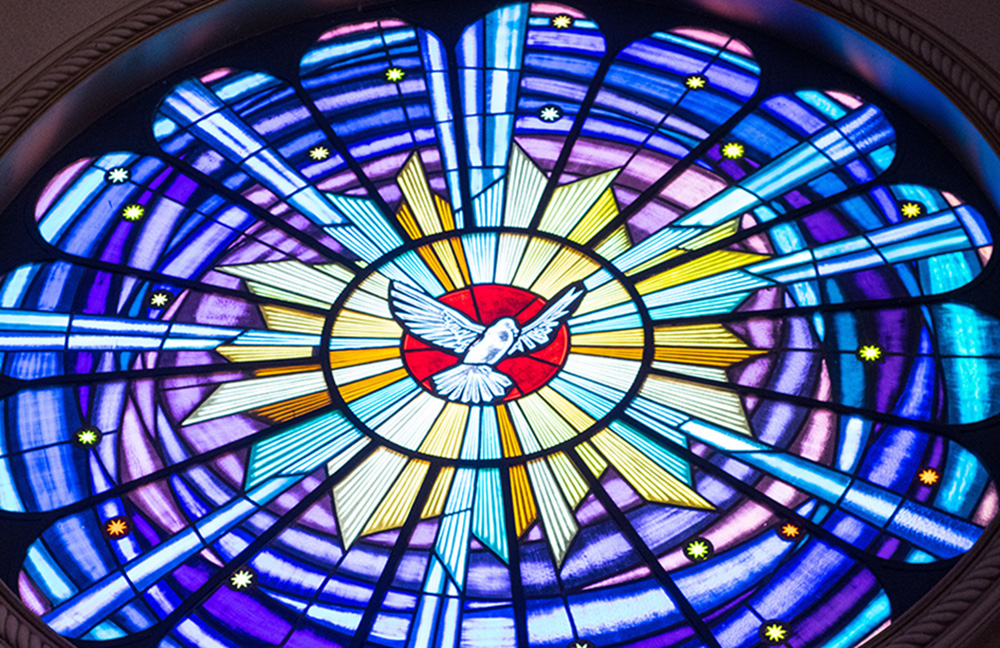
(475, 380)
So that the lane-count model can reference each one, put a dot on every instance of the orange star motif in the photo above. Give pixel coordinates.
(789, 531)
(929, 477)
(117, 527)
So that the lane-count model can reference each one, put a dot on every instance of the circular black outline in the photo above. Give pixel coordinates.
(616, 274)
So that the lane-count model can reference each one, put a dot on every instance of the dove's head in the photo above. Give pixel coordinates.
(506, 328)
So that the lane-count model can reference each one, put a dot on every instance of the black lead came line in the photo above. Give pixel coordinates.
(574, 133)
(681, 165)
(279, 525)
(514, 562)
(691, 615)
(343, 150)
(367, 623)
(178, 468)
(751, 493)
(261, 214)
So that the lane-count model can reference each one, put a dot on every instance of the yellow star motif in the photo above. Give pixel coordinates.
(117, 527)
(133, 212)
(870, 353)
(790, 531)
(929, 477)
(394, 74)
(159, 299)
(86, 437)
(775, 632)
(911, 209)
(319, 153)
(733, 150)
(242, 579)
(562, 21)
(695, 82)
(697, 550)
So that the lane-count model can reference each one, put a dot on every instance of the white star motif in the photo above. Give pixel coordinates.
(242, 579)
(118, 175)
(549, 113)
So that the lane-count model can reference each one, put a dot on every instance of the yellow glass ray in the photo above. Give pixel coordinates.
(508, 437)
(446, 436)
(548, 427)
(616, 243)
(567, 266)
(525, 512)
(405, 217)
(610, 294)
(525, 186)
(412, 181)
(644, 475)
(290, 409)
(576, 417)
(705, 266)
(354, 324)
(235, 353)
(572, 484)
(358, 495)
(714, 336)
(571, 203)
(714, 235)
(712, 404)
(705, 357)
(434, 264)
(595, 462)
(626, 338)
(280, 318)
(356, 390)
(439, 493)
(536, 257)
(445, 251)
(623, 353)
(396, 505)
(341, 359)
(602, 213)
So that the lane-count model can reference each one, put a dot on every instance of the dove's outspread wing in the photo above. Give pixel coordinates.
(428, 319)
(539, 331)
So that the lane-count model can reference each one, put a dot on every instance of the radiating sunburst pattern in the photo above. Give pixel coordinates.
(725, 392)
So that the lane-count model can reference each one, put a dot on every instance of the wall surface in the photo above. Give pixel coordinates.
(33, 29)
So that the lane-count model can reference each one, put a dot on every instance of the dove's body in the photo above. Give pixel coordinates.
(474, 380)
(493, 345)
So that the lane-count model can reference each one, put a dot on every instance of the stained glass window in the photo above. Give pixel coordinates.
(538, 337)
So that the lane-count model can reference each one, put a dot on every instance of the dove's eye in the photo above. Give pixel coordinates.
(504, 335)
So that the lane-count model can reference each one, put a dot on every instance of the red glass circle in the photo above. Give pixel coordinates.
(486, 304)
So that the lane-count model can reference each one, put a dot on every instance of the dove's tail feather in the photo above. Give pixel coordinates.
(472, 383)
